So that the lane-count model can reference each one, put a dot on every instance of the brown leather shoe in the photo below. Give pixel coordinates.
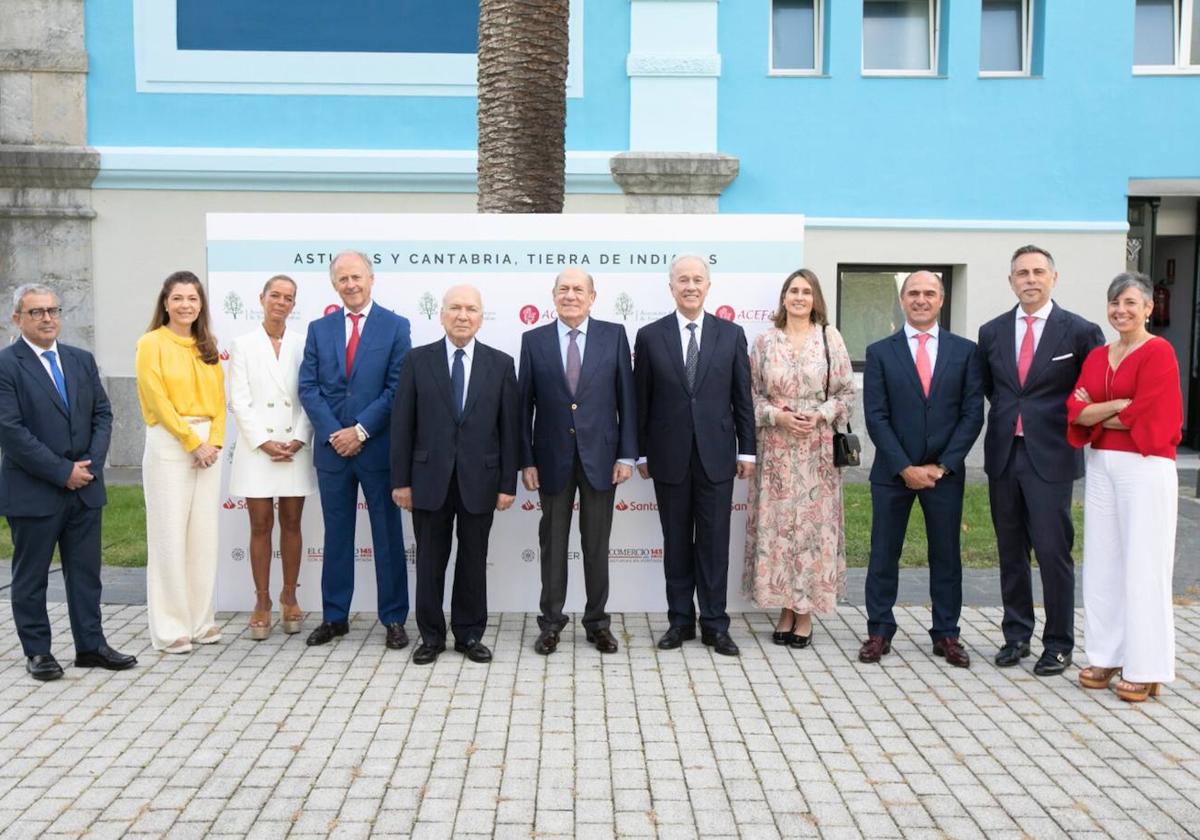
(951, 648)
(873, 649)
(603, 639)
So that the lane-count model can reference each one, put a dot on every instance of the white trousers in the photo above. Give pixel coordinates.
(181, 537)
(1130, 508)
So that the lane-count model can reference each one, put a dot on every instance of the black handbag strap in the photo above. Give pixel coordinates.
(828, 370)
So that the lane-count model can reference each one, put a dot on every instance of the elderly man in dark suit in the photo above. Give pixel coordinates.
(578, 433)
(923, 401)
(55, 425)
(1030, 359)
(347, 383)
(696, 432)
(455, 446)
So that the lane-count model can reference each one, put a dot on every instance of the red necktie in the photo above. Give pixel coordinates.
(352, 344)
(924, 368)
(1025, 360)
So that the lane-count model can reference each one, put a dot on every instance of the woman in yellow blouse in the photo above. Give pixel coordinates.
(182, 391)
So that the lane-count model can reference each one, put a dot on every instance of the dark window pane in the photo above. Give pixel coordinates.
(869, 304)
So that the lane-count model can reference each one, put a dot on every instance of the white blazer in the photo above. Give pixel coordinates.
(264, 395)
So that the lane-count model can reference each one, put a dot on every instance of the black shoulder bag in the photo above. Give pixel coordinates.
(847, 451)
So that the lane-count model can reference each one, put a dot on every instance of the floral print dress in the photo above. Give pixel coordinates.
(795, 551)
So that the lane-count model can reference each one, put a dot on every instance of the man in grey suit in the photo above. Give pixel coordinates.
(578, 433)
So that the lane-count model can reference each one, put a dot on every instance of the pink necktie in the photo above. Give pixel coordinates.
(1025, 360)
(352, 344)
(924, 369)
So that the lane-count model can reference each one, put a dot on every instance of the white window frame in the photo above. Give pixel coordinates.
(818, 68)
(1185, 10)
(1026, 46)
(935, 13)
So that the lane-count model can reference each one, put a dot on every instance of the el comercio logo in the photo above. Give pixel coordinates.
(331, 308)
(530, 314)
(725, 312)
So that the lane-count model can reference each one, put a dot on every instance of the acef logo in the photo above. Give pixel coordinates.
(725, 312)
(331, 308)
(530, 314)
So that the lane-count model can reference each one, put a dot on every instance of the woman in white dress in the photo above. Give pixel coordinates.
(273, 458)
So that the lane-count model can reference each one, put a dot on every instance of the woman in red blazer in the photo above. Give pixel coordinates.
(1127, 405)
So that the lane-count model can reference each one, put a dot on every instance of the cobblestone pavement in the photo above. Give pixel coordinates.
(276, 740)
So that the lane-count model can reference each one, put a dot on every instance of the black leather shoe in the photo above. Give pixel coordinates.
(603, 639)
(675, 637)
(326, 631)
(474, 650)
(798, 641)
(547, 642)
(1052, 663)
(721, 643)
(44, 667)
(427, 653)
(104, 657)
(397, 637)
(1011, 654)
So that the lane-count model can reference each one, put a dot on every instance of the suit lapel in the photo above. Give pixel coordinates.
(547, 344)
(945, 350)
(441, 375)
(670, 335)
(591, 357)
(1052, 335)
(337, 334)
(34, 365)
(708, 346)
(274, 368)
(1008, 348)
(480, 373)
(366, 338)
(905, 359)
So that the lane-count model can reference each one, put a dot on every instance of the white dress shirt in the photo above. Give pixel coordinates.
(931, 346)
(46, 362)
(1038, 326)
(468, 356)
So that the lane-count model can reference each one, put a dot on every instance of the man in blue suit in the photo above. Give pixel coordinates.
(578, 432)
(696, 431)
(352, 361)
(1030, 358)
(55, 425)
(923, 400)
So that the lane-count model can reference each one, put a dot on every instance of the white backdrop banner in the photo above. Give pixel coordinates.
(513, 260)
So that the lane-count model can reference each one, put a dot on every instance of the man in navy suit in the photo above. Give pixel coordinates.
(695, 433)
(455, 447)
(923, 400)
(352, 361)
(55, 425)
(1030, 358)
(578, 432)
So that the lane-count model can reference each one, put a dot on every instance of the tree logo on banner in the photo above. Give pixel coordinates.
(427, 305)
(234, 306)
(624, 306)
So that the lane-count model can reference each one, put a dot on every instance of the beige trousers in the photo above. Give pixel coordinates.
(181, 537)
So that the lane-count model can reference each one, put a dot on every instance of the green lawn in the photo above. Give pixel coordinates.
(125, 529)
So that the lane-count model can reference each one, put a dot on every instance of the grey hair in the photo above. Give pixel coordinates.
(31, 289)
(682, 257)
(279, 278)
(350, 252)
(941, 285)
(559, 276)
(1131, 279)
(1030, 249)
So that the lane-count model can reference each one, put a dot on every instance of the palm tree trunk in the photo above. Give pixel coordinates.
(522, 105)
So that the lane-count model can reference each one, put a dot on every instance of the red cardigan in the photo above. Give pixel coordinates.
(1150, 377)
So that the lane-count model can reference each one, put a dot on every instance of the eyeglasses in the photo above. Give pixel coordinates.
(41, 312)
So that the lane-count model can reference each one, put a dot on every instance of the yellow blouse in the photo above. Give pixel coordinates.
(173, 383)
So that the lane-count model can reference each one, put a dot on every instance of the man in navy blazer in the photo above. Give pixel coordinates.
(55, 425)
(352, 360)
(696, 432)
(578, 432)
(923, 400)
(1030, 359)
(455, 446)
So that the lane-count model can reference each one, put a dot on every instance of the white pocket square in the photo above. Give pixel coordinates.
(1064, 356)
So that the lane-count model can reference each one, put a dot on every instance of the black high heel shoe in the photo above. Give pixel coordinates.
(798, 641)
(784, 637)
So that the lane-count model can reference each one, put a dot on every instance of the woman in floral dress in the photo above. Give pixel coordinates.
(795, 552)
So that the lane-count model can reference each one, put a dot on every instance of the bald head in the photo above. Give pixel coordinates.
(462, 313)
(921, 298)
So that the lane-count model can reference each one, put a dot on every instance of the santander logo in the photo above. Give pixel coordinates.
(527, 505)
(224, 355)
(530, 314)
(725, 312)
(229, 504)
(622, 505)
(331, 308)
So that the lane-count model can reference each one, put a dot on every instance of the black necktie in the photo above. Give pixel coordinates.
(458, 383)
(693, 357)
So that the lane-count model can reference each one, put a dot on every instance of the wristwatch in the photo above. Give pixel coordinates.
(361, 432)
(945, 470)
